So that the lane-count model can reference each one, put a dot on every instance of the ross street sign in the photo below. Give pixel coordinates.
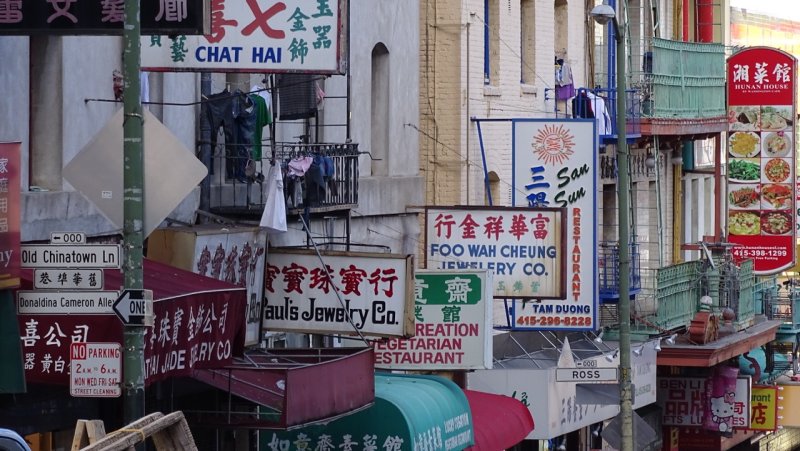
(67, 256)
(95, 370)
(586, 374)
(67, 279)
(67, 238)
(65, 302)
(134, 306)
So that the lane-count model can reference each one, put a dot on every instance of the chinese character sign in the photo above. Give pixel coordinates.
(101, 17)
(523, 247)
(764, 408)
(555, 165)
(452, 312)
(339, 293)
(200, 330)
(258, 36)
(9, 215)
(761, 195)
(684, 401)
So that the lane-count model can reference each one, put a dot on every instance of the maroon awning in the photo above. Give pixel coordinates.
(295, 386)
(500, 422)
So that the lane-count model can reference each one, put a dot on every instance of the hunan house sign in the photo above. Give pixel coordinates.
(761, 194)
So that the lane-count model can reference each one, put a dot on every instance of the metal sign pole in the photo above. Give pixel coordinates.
(133, 209)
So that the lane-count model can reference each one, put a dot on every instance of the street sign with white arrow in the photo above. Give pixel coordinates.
(134, 306)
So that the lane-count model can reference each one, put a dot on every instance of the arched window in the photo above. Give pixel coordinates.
(379, 130)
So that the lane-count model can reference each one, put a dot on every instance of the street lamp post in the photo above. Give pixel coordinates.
(602, 14)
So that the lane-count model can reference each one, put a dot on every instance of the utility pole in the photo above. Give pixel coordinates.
(133, 208)
(603, 14)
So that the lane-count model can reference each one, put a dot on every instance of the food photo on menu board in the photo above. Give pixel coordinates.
(744, 144)
(760, 170)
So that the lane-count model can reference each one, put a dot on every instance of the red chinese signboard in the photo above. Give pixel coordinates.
(761, 158)
(195, 330)
(9, 214)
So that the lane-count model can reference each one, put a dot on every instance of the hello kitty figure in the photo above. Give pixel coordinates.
(722, 412)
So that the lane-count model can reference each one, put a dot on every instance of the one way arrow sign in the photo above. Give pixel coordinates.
(133, 307)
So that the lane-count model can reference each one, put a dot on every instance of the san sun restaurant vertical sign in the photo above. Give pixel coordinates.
(761, 196)
(9, 215)
(555, 165)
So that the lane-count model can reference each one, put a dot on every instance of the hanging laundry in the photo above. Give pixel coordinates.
(236, 114)
(565, 87)
(262, 120)
(299, 165)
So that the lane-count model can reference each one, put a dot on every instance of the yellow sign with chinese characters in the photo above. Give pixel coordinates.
(764, 408)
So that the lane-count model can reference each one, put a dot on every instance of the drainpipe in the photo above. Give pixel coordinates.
(705, 21)
(685, 12)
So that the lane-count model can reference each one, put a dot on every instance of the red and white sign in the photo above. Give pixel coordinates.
(95, 370)
(523, 247)
(201, 330)
(9, 215)
(761, 197)
(684, 400)
(339, 292)
(258, 36)
(555, 165)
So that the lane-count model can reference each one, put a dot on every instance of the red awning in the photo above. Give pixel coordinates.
(500, 422)
(295, 386)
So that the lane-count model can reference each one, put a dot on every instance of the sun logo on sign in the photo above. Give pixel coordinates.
(553, 144)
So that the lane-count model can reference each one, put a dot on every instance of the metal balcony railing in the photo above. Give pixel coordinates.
(608, 262)
(682, 80)
(238, 183)
(680, 287)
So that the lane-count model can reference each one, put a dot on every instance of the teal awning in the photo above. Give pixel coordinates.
(410, 412)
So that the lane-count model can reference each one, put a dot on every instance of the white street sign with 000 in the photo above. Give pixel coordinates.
(586, 374)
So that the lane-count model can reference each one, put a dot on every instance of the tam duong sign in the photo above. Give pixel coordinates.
(306, 36)
(353, 292)
(453, 324)
(102, 17)
(555, 165)
(761, 200)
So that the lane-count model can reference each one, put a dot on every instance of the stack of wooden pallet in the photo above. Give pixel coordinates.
(167, 432)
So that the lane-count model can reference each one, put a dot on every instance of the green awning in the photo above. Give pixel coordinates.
(12, 378)
(410, 412)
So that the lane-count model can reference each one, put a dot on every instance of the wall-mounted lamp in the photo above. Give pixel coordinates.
(599, 338)
(611, 357)
(650, 160)
(597, 430)
(638, 351)
(671, 340)
(657, 347)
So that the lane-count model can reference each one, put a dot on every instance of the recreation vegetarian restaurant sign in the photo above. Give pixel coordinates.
(453, 313)
(555, 165)
(761, 158)
(307, 36)
(348, 293)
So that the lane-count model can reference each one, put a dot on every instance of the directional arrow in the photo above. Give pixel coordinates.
(130, 307)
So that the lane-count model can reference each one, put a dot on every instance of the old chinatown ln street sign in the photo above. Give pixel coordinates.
(65, 256)
(131, 307)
